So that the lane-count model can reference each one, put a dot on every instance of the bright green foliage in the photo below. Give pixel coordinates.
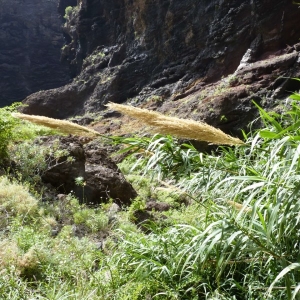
(33, 159)
(12, 129)
(162, 154)
(246, 246)
(237, 236)
(7, 126)
(68, 12)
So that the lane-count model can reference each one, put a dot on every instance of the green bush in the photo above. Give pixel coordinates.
(7, 126)
(33, 159)
(94, 220)
(12, 129)
(68, 12)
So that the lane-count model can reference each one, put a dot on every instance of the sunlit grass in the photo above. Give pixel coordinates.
(232, 231)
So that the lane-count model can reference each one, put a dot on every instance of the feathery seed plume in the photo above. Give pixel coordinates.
(182, 128)
(63, 126)
(239, 206)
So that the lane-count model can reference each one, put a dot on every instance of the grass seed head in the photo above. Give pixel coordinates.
(63, 126)
(181, 128)
(239, 206)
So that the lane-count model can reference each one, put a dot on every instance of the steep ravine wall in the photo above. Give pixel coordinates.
(30, 45)
(134, 49)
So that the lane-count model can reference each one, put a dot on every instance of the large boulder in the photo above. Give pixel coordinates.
(91, 175)
(103, 177)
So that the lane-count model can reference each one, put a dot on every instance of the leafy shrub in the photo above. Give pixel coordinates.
(15, 200)
(69, 10)
(7, 126)
(33, 160)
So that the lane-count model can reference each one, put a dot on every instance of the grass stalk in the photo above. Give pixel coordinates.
(182, 128)
(62, 126)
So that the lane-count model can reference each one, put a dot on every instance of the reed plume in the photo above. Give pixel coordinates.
(182, 128)
(63, 126)
(239, 206)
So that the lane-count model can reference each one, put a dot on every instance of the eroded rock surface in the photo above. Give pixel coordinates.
(103, 177)
(100, 177)
(228, 103)
(30, 45)
(139, 49)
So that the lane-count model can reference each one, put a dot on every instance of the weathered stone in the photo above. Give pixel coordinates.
(101, 178)
(62, 176)
(158, 206)
(145, 219)
(31, 41)
(172, 49)
(104, 179)
(228, 103)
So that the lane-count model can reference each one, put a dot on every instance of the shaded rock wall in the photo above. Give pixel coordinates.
(134, 49)
(30, 45)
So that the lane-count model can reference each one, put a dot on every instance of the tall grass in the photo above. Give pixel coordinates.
(247, 243)
(243, 242)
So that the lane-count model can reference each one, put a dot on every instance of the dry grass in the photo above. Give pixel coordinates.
(15, 199)
(239, 206)
(181, 128)
(59, 125)
(26, 264)
(9, 253)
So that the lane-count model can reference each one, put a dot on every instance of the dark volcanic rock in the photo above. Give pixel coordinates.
(145, 219)
(228, 104)
(157, 206)
(62, 175)
(101, 178)
(30, 45)
(125, 49)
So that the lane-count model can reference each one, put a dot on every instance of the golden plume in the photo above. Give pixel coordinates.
(63, 126)
(182, 128)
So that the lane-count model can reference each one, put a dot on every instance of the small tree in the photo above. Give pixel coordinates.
(68, 12)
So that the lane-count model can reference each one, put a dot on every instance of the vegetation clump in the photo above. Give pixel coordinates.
(182, 128)
(7, 126)
(231, 231)
(69, 11)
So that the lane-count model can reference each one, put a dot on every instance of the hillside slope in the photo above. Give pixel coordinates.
(165, 51)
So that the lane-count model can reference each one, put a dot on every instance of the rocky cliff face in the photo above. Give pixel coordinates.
(171, 53)
(30, 45)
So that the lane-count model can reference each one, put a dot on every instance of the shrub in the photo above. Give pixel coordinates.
(68, 12)
(33, 160)
(15, 200)
(94, 220)
(7, 126)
